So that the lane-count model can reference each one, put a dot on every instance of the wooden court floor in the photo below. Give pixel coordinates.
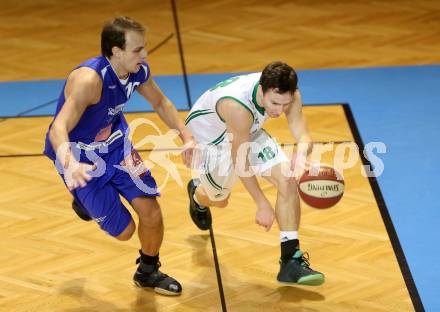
(53, 261)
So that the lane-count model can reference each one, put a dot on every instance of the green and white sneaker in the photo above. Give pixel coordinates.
(296, 270)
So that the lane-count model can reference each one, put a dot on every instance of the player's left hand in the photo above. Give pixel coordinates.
(265, 214)
(298, 165)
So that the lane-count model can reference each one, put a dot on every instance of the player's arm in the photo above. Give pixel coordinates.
(83, 88)
(168, 113)
(239, 122)
(297, 123)
(298, 127)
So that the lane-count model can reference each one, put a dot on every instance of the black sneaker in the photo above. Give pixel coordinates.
(296, 270)
(201, 216)
(149, 276)
(80, 211)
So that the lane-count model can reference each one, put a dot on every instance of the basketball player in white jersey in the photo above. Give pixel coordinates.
(227, 119)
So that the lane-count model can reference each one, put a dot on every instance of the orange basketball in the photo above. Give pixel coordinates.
(321, 186)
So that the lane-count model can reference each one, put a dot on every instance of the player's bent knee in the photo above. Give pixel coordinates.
(127, 233)
(145, 205)
(152, 218)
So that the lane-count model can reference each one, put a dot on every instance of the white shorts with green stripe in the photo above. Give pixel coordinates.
(215, 168)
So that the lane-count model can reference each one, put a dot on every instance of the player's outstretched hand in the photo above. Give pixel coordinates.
(187, 153)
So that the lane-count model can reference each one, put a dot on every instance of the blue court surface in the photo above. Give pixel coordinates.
(399, 106)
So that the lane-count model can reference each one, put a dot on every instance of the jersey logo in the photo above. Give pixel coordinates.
(116, 110)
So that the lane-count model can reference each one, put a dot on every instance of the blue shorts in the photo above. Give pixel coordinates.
(100, 197)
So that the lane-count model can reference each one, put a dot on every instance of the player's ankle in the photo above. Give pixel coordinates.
(288, 248)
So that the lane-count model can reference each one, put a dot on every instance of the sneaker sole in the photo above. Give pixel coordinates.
(160, 291)
(166, 292)
(311, 280)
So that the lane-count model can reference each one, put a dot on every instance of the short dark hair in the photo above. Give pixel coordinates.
(279, 76)
(113, 33)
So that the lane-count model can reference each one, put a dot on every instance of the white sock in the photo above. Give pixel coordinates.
(288, 235)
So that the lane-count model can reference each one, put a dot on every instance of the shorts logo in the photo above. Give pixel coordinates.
(134, 164)
(164, 149)
(100, 219)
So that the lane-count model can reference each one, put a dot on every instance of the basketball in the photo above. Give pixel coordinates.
(321, 186)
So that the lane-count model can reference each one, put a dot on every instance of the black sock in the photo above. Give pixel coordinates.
(288, 248)
(149, 260)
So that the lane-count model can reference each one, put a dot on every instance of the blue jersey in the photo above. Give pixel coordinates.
(102, 127)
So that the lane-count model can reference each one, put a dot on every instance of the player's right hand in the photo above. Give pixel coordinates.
(265, 214)
(188, 152)
(76, 174)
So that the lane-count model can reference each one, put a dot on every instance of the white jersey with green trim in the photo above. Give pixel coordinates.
(203, 120)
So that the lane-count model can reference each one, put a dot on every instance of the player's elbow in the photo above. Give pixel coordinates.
(53, 133)
(159, 104)
(239, 152)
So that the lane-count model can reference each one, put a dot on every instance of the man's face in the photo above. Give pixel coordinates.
(276, 103)
(134, 53)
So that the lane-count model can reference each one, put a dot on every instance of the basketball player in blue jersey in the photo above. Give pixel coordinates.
(88, 143)
(239, 106)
